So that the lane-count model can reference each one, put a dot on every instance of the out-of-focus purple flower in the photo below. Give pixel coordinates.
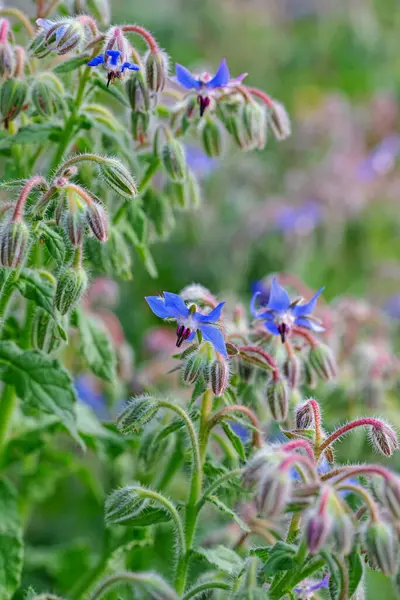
(89, 395)
(280, 314)
(299, 219)
(392, 307)
(381, 159)
(198, 161)
(305, 590)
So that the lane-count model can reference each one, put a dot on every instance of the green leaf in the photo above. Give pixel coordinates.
(96, 347)
(355, 569)
(282, 558)
(35, 133)
(262, 552)
(228, 512)
(111, 91)
(54, 242)
(223, 559)
(71, 64)
(138, 223)
(150, 516)
(148, 261)
(234, 439)
(11, 544)
(40, 382)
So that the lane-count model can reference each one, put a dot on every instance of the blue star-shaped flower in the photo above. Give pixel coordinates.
(189, 320)
(280, 314)
(306, 589)
(112, 60)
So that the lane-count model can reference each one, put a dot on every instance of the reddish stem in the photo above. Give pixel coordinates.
(300, 444)
(40, 8)
(317, 418)
(81, 193)
(4, 29)
(324, 501)
(91, 23)
(262, 95)
(369, 501)
(146, 35)
(35, 181)
(348, 427)
(261, 352)
(257, 439)
(298, 458)
(343, 473)
(20, 61)
(304, 333)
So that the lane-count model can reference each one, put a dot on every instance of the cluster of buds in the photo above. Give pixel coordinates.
(201, 363)
(63, 36)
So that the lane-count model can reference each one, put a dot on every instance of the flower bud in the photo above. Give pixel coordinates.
(64, 35)
(257, 466)
(212, 138)
(304, 416)
(316, 530)
(193, 368)
(74, 224)
(174, 160)
(384, 439)
(7, 60)
(382, 547)
(140, 122)
(219, 375)
(14, 242)
(136, 414)
(156, 67)
(38, 46)
(45, 98)
(278, 399)
(137, 92)
(389, 494)
(254, 126)
(292, 371)
(71, 285)
(322, 361)
(309, 375)
(124, 504)
(45, 333)
(118, 178)
(342, 534)
(13, 94)
(279, 121)
(98, 220)
(274, 492)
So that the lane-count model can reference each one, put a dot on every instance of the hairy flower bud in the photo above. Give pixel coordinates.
(124, 504)
(304, 416)
(279, 121)
(390, 495)
(174, 160)
(45, 333)
(13, 94)
(274, 492)
(136, 414)
(74, 224)
(71, 285)
(45, 98)
(64, 35)
(38, 46)
(292, 371)
(118, 178)
(212, 137)
(342, 534)
(14, 242)
(156, 67)
(137, 92)
(278, 399)
(193, 368)
(384, 439)
(7, 60)
(309, 375)
(316, 530)
(219, 375)
(382, 547)
(254, 126)
(257, 466)
(140, 122)
(322, 361)
(98, 220)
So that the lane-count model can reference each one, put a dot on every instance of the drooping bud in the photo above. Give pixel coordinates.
(219, 375)
(13, 94)
(342, 534)
(254, 126)
(137, 414)
(382, 546)
(137, 92)
(278, 399)
(140, 122)
(74, 224)
(212, 137)
(7, 56)
(292, 371)
(45, 333)
(45, 98)
(64, 35)
(124, 504)
(257, 466)
(304, 416)
(14, 243)
(279, 121)
(274, 492)
(317, 529)
(156, 67)
(71, 285)
(384, 439)
(118, 178)
(98, 220)
(309, 375)
(322, 361)
(174, 160)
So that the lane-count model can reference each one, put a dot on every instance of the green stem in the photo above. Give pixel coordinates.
(89, 579)
(7, 404)
(149, 579)
(216, 484)
(209, 585)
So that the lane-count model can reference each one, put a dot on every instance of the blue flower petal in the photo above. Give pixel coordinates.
(191, 336)
(253, 304)
(175, 305)
(267, 315)
(114, 56)
(309, 324)
(221, 77)
(278, 297)
(97, 60)
(272, 328)
(157, 305)
(213, 316)
(185, 78)
(300, 310)
(213, 335)
(130, 66)
(46, 24)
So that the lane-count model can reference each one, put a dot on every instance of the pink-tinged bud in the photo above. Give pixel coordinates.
(13, 94)
(322, 361)
(74, 225)
(98, 221)
(382, 546)
(274, 492)
(219, 375)
(384, 439)
(304, 416)
(14, 243)
(7, 60)
(279, 121)
(317, 529)
(390, 495)
(156, 67)
(174, 160)
(211, 136)
(278, 399)
(292, 371)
